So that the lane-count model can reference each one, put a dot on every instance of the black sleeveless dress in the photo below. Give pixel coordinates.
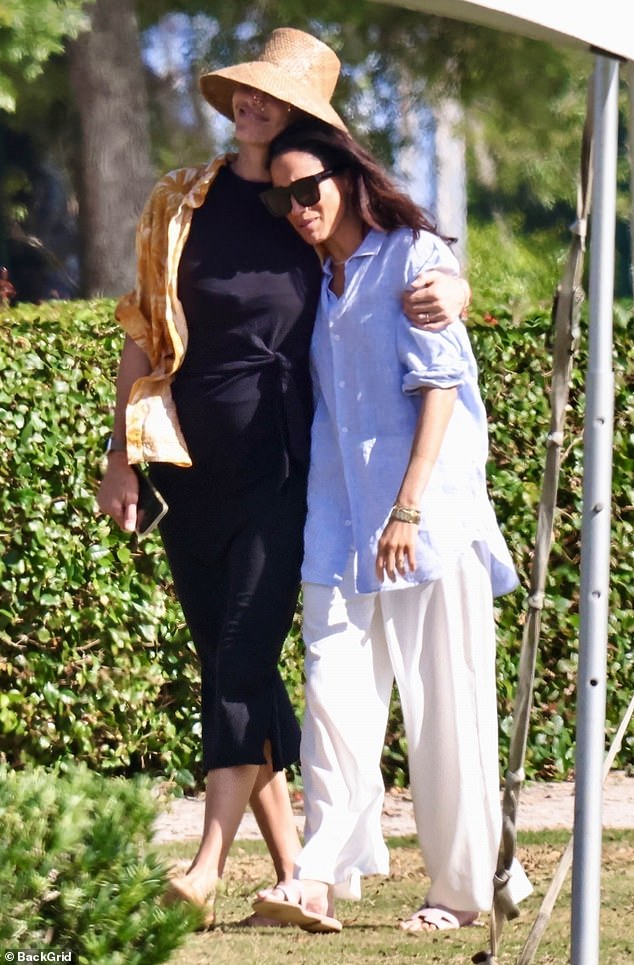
(234, 531)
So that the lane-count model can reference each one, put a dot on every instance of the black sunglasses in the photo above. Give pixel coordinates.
(305, 191)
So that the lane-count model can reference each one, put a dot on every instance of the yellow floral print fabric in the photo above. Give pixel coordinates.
(153, 316)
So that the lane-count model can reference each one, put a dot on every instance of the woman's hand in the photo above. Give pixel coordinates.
(118, 493)
(397, 550)
(435, 299)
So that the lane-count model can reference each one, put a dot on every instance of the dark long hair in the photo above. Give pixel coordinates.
(375, 197)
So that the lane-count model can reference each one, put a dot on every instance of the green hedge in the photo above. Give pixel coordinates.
(95, 661)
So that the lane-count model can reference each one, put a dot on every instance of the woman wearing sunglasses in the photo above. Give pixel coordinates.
(214, 392)
(403, 554)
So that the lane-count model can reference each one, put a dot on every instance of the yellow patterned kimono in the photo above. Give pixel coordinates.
(153, 316)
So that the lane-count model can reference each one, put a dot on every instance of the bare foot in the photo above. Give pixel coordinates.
(305, 903)
(312, 895)
(186, 890)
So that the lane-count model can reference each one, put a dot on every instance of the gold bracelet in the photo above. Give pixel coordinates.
(402, 514)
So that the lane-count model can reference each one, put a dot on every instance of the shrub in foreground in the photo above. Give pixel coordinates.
(77, 872)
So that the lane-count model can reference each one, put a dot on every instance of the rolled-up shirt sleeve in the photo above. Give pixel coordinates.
(431, 359)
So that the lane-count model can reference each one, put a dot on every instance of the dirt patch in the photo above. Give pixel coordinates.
(542, 805)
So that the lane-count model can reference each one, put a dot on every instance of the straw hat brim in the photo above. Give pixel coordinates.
(218, 87)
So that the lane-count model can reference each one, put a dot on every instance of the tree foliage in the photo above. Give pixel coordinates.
(530, 94)
(523, 100)
(30, 32)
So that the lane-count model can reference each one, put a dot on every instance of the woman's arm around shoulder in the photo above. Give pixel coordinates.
(438, 295)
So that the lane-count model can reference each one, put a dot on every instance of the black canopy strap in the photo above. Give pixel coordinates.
(565, 315)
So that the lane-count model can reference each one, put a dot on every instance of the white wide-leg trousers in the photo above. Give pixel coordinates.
(438, 641)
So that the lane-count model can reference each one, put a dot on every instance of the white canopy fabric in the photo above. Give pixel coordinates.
(603, 26)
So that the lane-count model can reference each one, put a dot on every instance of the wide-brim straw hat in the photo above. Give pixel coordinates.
(294, 66)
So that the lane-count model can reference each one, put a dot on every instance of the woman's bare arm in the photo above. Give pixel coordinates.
(397, 545)
(119, 491)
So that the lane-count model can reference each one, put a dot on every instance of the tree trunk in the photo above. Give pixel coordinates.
(432, 164)
(108, 84)
(452, 175)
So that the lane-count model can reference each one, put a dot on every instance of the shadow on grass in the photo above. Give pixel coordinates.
(371, 935)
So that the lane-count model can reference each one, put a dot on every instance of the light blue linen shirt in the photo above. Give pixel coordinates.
(368, 365)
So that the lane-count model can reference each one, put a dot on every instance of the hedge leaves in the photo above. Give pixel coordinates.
(95, 661)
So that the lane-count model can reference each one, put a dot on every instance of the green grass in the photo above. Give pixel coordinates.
(370, 935)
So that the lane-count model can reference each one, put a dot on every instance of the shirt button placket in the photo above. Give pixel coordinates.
(338, 365)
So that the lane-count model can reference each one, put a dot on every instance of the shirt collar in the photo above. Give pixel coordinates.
(371, 245)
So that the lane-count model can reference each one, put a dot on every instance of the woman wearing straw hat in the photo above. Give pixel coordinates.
(214, 393)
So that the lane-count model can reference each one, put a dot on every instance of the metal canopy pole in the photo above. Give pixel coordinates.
(595, 528)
